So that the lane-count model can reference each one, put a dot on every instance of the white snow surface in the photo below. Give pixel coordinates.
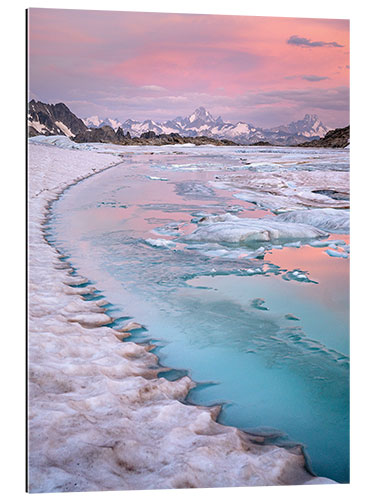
(99, 418)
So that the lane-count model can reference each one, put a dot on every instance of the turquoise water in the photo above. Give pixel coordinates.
(273, 351)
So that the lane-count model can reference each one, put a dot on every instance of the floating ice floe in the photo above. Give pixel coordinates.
(327, 219)
(297, 275)
(257, 270)
(211, 219)
(320, 243)
(169, 229)
(291, 317)
(335, 253)
(152, 178)
(194, 189)
(293, 244)
(216, 250)
(234, 208)
(231, 229)
(160, 243)
(258, 303)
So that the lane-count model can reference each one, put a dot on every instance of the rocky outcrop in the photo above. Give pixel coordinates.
(108, 135)
(53, 119)
(337, 138)
(261, 143)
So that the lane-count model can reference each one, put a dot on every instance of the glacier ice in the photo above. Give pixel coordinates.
(160, 243)
(231, 229)
(327, 219)
(153, 178)
(289, 188)
(335, 253)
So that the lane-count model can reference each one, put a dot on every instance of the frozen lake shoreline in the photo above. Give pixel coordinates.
(100, 419)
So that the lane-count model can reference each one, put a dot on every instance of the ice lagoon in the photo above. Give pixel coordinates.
(226, 258)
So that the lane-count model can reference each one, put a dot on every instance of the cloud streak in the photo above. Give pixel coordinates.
(306, 42)
(308, 78)
(314, 78)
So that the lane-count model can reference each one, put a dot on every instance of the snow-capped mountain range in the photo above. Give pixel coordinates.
(96, 122)
(201, 122)
(50, 119)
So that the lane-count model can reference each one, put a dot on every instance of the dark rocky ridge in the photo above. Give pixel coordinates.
(108, 135)
(261, 143)
(48, 116)
(338, 138)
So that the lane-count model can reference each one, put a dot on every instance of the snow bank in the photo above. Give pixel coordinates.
(63, 142)
(99, 418)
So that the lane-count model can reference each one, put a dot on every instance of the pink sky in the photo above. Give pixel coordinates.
(263, 70)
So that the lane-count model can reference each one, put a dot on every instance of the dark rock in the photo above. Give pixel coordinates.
(107, 134)
(261, 143)
(335, 195)
(53, 119)
(337, 138)
(102, 134)
(120, 134)
(148, 135)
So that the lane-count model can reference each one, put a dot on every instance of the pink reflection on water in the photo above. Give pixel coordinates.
(331, 272)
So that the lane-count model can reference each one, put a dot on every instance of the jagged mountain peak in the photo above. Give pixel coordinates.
(200, 114)
(310, 117)
(53, 119)
(96, 122)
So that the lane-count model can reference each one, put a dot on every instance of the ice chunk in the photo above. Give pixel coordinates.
(235, 208)
(160, 243)
(334, 253)
(210, 219)
(169, 229)
(297, 275)
(257, 270)
(152, 178)
(252, 231)
(216, 250)
(293, 244)
(258, 303)
(194, 190)
(291, 317)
